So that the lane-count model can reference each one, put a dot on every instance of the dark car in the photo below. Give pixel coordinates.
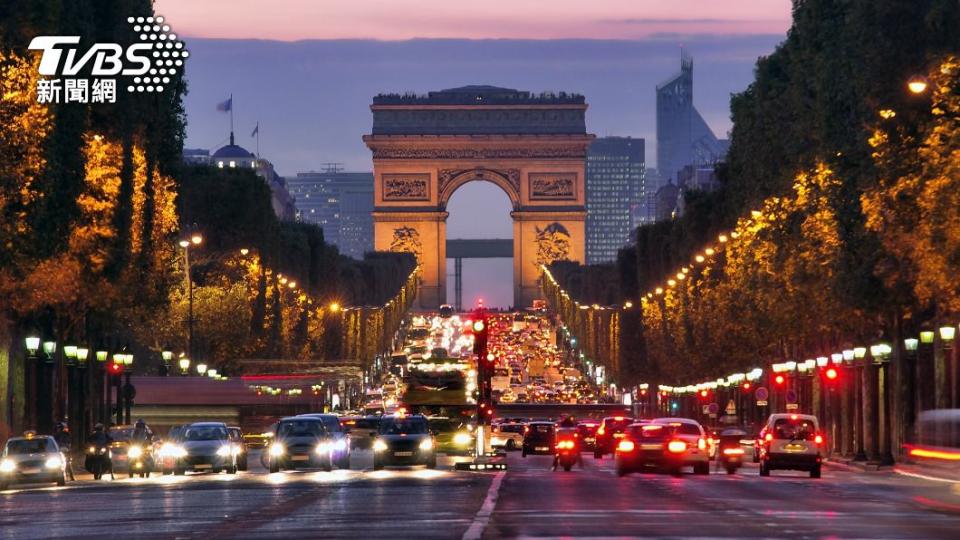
(340, 436)
(538, 438)
(361, 429)
(236, 436)
(608, 433)
(206, 446)
(134, 453)
(404, 440)
(587, 432)
(301, 442)
(666, 443)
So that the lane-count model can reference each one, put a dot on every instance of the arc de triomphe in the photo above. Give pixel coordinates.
(531, 146)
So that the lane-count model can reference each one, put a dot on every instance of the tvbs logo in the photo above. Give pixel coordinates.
(148, 65)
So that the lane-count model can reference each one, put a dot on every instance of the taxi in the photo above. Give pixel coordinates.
(32, 459)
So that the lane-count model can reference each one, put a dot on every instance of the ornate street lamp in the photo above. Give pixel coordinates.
(911, 344)
(70, 353)
(822, 361)
(82, 354)
(947, 334)
(201, 369)
(33, 345)
(212, 373)
(118, 358)
(184, 365)
(917, 84)
(102, 356)
(848, 355)
(926, 337)
(836, 358)
(860, 353)
(49, 348)
(128, 359)
(167, 356)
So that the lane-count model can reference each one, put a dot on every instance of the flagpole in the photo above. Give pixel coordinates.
(231, 114)
(258, 139)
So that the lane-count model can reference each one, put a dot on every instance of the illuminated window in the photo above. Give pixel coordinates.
(233, 164)
(220, 164)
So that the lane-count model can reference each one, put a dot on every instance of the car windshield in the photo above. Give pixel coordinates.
(446, 425)
(30, 446)
(205, 433)
(301, 428)
(794, 429)
(617, 424)
(662, 431)
(396, 426)
(512, 428)
(121, 434)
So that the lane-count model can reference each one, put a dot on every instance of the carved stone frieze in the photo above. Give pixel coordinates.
(553, 186)
(406, 187)
(566, 151)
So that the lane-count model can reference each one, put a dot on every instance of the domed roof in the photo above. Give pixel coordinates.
(232, 151)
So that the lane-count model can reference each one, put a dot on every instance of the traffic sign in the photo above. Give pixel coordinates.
(792, 406)
(761, 403)
(761, 393)
(731, 408)
(791, 396)
(713, 408)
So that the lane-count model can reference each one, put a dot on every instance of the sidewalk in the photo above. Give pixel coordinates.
(849, 463)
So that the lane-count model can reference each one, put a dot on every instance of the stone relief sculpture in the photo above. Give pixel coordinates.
(553, 244)
(406, 187)
(407, 240)
(553, 186)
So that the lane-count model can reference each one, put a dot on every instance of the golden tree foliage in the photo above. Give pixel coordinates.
(916, 214)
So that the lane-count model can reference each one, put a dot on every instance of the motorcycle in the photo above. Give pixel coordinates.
(138, 461)
(98, 461)
(567, 451)
(729, 451)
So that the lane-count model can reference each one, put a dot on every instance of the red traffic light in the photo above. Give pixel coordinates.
(704, 393)
(831, 374)
(116, 369)
(779, 379)
(746, 386)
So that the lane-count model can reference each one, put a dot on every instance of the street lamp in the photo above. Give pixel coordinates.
(167, 356)
(70, 352)
(33, 345)
(911, 344)
(102, 356)
(195, 239)
(184, 365)
(201, 369)
(82, 354)
(917, 84)
(49, 348)
(926, 337)
(334, 307)
(947, 334)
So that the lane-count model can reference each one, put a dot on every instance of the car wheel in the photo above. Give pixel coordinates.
(62, 481)
(274, 467)
(328, 465)
(523, 453)
(432, 463)
(216, 470)
(511, 445)
(377, 464)
(232, 470)
(179, 472)
(242, 464)
(597, 454)
(344, 462)
(764, 470)
(567, 466)
(131, 474)
(731, 469)
(166, 471)
(815, 472)
(701, 468)
(622, 471)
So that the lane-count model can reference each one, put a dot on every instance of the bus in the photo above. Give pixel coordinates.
(437, 387)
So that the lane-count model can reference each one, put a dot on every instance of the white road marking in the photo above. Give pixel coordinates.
(480, 521)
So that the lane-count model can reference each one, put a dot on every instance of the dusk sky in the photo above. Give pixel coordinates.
(307, 70)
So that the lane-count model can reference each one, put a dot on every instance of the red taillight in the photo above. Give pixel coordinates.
(601, 430)
(565, 445)
(618, 418)
(677, 447)
(733, 451)
(702, 444)
(818, 439)
(526, 429)
(625, 446)
(768, 437)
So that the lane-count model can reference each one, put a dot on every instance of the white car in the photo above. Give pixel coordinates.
(507, 435)
(791, 441)
(32, 459)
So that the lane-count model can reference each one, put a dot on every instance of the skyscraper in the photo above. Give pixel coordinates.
(341, 203)
(683, 137)
(616, 195)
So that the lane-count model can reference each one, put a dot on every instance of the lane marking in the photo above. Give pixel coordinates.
(924, 477)
(480, 521)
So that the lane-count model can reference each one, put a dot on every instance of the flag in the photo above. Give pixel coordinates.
(226, 105)
(255, 130)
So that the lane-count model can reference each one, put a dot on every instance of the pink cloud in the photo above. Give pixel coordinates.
(289, 20)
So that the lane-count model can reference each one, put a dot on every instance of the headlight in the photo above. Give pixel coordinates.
(92, 450)
(134, 452)
(340, 445)
(461, 439)
(426, 444)
(225, 451)
(323, 448)
(7, 465)
(379, 446)
(277, 449)
(54, 463)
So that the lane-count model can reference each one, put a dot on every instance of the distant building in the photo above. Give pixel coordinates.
(667, 201)
(341, 203)
(683, 138)
(233, 156)
(616, 195)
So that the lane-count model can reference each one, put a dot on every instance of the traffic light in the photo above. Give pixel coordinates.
(746, 386)
(831, 374)
(779, 379)
(115, 369)
(704, 394)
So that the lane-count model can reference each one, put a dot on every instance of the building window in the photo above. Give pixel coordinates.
(233, 164)
(220, 164)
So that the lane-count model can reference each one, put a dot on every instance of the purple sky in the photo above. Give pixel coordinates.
(304, 71)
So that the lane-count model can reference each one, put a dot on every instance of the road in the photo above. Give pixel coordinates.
(528, 500)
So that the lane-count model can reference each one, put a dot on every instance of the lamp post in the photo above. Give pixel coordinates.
(194, 239)
(859, 355)
(881, 356)
(32, 344)
(184, 364)
(129, 392)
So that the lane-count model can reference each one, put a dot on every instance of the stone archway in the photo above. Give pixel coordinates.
(533, 147)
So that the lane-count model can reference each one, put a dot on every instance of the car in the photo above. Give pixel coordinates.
(361, 429)
(587, 431)
(171, 448)
(236, 436)
(538, 438)
(791, 441)
(205, 446)
(404, 440)
(341, 438)
(300, 442)
(447, 311)
(664, 443)
(608, 432)
(507, 435)
(32, 459)
(452, 436)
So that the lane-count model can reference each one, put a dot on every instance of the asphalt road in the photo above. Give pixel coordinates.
(528, 500)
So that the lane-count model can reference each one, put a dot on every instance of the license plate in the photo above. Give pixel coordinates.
(203, 466)
(617, 435)
(30, 471)
(795, 448)
(541, 449)
(403, 454)
(590, 439)
(651, 447)
(300, 458)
